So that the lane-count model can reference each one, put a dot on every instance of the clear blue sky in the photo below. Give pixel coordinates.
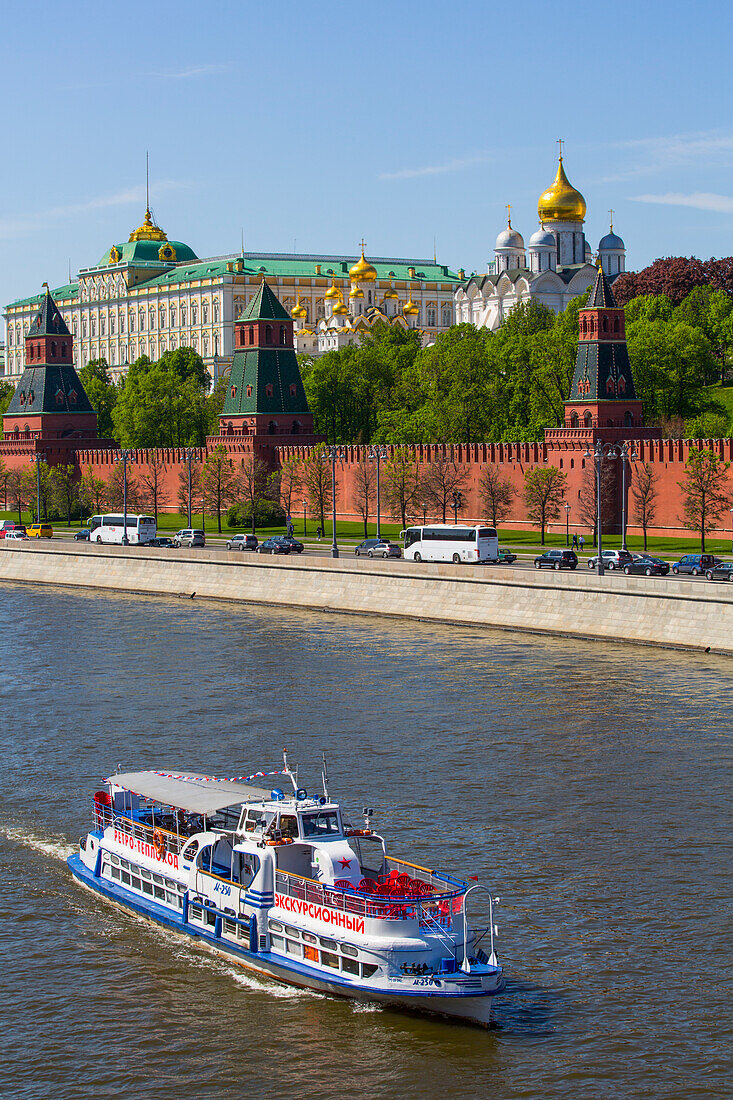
(320, 123)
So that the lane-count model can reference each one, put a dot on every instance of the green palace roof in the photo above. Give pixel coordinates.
(147, 252)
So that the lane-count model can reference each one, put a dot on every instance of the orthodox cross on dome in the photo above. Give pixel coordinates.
(509, 215)
(560, 143)
(610, 212)
(362, 244)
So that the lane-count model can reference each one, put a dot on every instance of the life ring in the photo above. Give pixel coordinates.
(277, 843)
(358, 832)
(159, 843)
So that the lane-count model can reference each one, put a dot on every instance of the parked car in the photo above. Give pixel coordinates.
(276, 544)
(722, 571)
(695, 564)
(296, 546)
(646, 565)
(505, 557)
(612, 559)
(16, 535)
(189, 537)
(40, 531)
(378, 548)
(8, 525)
(243, 542)
(557, 559)
(162, 543)
(83, 534)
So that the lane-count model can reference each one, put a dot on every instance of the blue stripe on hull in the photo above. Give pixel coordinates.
(290, 972)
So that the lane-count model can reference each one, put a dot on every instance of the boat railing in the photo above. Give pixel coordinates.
(139, 830)
(434, 910)
(441, 884)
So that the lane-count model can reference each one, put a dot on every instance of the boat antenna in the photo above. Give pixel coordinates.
(287, 771)
(324, 776)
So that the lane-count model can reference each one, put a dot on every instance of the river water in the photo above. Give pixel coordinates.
(587, 783)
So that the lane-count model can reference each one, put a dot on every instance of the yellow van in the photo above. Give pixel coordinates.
(40, 531)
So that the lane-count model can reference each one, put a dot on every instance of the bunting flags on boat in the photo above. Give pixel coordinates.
(221, 779)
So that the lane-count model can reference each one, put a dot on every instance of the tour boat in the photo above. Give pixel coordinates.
(279, 883)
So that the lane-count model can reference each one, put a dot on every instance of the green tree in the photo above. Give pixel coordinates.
(705, 491)
(252, 485)
(645, 495)
(102, 393)
(317, 482)
(708, 425)
(442, 478)
(65, 489)
(365, 489)
(217, 481)
(7, 389)
(544, 488)
(153, 489)
(289, 481)
(92, 491)
(400, 483)
(670, 361)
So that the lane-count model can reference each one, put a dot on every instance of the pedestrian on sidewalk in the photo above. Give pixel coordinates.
(575, 541)
(581, 541)
(319, 533)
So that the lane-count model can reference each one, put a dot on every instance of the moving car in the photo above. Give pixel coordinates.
(506, 557)
(276, 544)
(646, 565)
(40, 531)
(82, 535)
(15, 536)
(296, 546)
(162, 543)
(189, 537)
(9, 525)
(721, 571)
(378, 548)
(612, 559)
(243, 542)
(557, 559)
(695, 564)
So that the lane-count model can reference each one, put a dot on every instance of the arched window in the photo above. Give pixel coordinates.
(268, 334)
(295, 428)
(588, 418)
(271, 428)
(194, 313)
(282, 334)
(53, 349)
(183, 316)
(216, 311)
(205, 313)
(628, 420)
(574, 420)
(605, 324)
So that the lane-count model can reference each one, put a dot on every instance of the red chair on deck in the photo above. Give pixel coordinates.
(342, 884)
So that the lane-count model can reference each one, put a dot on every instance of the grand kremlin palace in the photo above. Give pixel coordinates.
(151, 294)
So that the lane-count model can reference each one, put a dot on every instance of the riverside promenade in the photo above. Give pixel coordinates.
(663, 611)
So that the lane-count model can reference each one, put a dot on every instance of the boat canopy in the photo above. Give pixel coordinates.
(198, 795)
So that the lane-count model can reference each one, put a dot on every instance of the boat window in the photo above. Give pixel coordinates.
(275, 926)
(309, 938)
(350, 966)
(328, 959)
(247, 868)
(278, 941)
(293, 948)
(289, 826)
(370, 851)
(292, 932)
(349, 950)
(367, 969)
(330, 944)
(190, 850)
(311, 953)
(321, 824)
(254, 817)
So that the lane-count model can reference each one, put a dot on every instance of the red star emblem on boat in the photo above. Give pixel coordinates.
(344, 863)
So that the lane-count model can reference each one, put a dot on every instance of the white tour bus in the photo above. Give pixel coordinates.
(111, 528)
(451, 542)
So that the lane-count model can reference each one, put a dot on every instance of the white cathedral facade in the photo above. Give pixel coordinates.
(556, 267)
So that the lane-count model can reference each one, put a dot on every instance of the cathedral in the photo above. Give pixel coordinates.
(556, 266)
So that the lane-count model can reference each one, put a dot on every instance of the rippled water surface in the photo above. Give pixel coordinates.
(590, 785)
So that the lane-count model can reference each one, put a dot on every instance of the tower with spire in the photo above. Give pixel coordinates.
(49, 402)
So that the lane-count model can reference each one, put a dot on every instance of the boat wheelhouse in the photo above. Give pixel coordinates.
(282, 885)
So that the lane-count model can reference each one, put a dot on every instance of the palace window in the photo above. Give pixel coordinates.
(162, 318)
(173, 317)
(111, 324)
(446, 317)
(216, 311)
(205, 346)
(142, 321)
(205, 313)
(84, 327)
(194, 314)
(102, 325)
(132, 322)
(431, 316)
(151, 324)
(183, 316)
(93, 324)
(122, 322)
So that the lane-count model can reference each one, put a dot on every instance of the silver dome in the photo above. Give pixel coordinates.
(611, 243)
(542, 238)
(509, 238)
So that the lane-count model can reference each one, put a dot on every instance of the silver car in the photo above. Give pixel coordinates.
(378, 548)
(189, 537)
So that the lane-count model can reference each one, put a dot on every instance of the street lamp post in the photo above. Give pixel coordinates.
(731, 529)
(567, 525)
(124, 457)
(333, 453)
(203, 514)
(38, 459)
(190, 454)
(599, 452)
(305, 519)
(378, 454)
(457, 503)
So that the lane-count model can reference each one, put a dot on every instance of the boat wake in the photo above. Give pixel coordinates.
(58, 847)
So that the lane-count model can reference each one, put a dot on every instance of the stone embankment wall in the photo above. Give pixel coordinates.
(662, 611)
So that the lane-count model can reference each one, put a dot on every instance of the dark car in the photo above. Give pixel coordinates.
(378, 548)
(296, 546)
(83, 534)
(505, 557)
(163, 543)
(557, 559)
(276, 544)
(646, 565)
(695, 564)
(243, 542)
(721, 571)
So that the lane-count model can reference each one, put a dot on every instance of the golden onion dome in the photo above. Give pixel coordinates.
(362, 271)
(148, 231)
(333, 290)
(410, 308)
(298, 310)
(340, 310)
(561, 202)
(356, 293)
(391, 293)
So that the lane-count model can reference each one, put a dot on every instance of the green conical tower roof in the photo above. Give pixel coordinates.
(265, 306)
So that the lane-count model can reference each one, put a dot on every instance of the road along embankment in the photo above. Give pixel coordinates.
(661, 611)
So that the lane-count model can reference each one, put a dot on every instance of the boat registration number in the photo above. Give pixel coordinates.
(222, 888)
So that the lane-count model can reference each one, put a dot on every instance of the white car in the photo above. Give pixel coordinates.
(15, 536)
